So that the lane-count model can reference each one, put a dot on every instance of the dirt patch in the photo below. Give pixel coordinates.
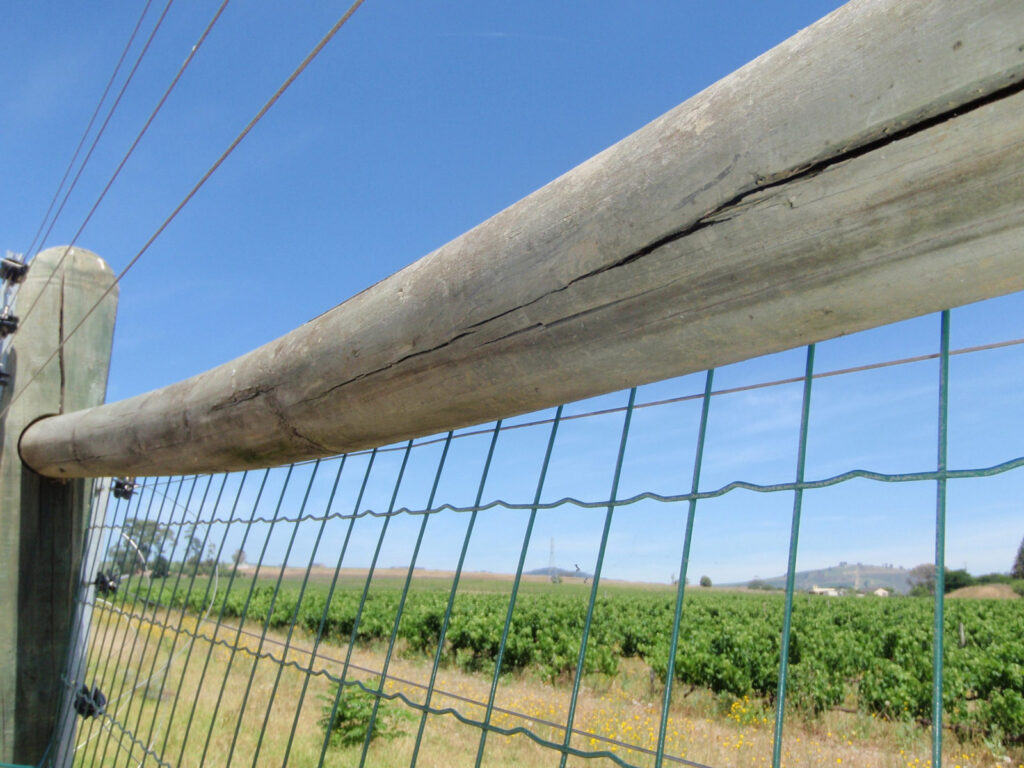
(988, 591)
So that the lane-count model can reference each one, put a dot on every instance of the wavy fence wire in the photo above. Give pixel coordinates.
(418, 575)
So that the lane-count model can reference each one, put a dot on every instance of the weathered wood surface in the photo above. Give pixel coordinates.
(42, 521)
(869, 169)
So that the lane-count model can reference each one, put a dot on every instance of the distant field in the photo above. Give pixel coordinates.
(170, 686)
(441, 581)
(870, 655)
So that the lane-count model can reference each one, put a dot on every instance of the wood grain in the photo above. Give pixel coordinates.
(867, 170)
(43, 520)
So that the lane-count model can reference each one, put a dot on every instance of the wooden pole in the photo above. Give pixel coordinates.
(42, 521)
(867, 170)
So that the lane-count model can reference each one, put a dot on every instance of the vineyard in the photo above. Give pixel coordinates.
(872, 655)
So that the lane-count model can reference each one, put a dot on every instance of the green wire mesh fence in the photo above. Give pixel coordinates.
(519, 593)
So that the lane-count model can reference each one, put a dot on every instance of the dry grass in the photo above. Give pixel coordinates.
(986, 591)
(143, 670)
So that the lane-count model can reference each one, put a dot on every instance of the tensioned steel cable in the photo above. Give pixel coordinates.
(192, 193)
(124, 159)
(88, 128)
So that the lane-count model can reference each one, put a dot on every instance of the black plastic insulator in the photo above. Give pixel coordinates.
(8, 323)
(12, 271)
(106, 584)
(90, 703)
(124, 487)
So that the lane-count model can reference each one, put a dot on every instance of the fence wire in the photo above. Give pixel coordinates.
(391, 614)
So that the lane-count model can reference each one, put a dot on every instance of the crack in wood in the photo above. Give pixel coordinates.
(721, 214)
(60, 342)
(241, 396)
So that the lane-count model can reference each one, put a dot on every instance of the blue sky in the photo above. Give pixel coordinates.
(417, 122)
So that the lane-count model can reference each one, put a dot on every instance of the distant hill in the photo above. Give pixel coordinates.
(859, 576)
(561, 572)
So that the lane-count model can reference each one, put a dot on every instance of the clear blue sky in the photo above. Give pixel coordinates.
(417, 122)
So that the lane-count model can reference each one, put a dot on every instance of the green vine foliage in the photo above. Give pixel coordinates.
(345, 724)
(872, 653)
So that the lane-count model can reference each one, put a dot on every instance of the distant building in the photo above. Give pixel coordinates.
(881, 592)
(827, 591)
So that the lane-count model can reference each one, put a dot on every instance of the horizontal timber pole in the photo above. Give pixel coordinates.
(867, 170)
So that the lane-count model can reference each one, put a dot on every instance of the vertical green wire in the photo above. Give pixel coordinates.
(78, 630)
(108, 655)
(223, 602)
(102, 648)
(245, 610)
(373, 564)
(318, 637)
(298, 602)
(515, 584)
(684, 564)
(160, 602)
(184, 604)
(146, 601)
(794, 536)
(327, 602)
(135, 641)
(402, 599)
(940, 545)
(206, 594)
(96, 643)
(362, 600)
(266, 627)
(597, 577)
(451, 595)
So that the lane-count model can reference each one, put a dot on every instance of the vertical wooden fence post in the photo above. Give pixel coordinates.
(42, 521)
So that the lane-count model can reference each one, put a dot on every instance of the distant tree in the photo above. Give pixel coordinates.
(1018, 565)
(210, 561)
(958, 579)
(161, 567)
(994, 578)
(922, 580)
(705, 581)
(140, 543)
(193, 548)
(239, 557)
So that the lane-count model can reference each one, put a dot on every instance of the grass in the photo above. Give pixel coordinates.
(149, 672)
